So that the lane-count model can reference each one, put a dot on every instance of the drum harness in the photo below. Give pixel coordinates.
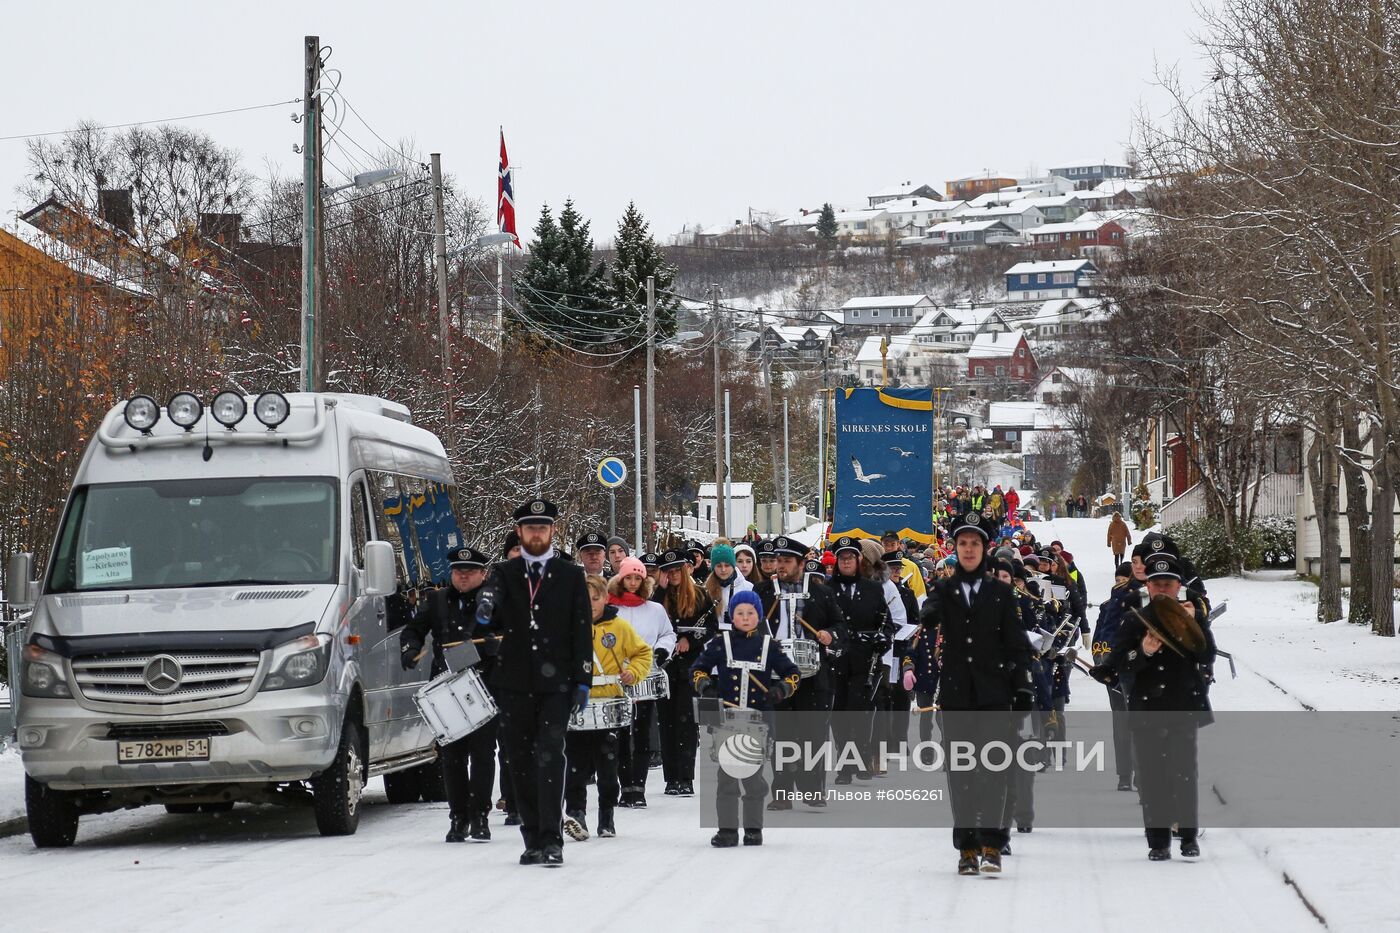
(748, 667)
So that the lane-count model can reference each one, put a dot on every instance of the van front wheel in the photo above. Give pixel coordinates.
(336, 791)
(53, 816)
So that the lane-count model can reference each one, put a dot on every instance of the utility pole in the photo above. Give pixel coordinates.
(787, 475)
(728, 457)
(440, 255)
(651, 416)
(637, 542)
(310, 215)
(719, 402)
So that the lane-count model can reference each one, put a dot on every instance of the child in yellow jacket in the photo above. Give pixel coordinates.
(620, 658)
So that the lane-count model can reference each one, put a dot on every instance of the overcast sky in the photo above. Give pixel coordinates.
(697, 112)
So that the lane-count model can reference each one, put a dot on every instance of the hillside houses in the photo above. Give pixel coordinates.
(1055, 278)
(885, 311)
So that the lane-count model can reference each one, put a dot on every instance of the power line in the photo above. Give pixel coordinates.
(120, 126)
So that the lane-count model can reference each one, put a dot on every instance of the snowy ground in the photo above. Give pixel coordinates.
(266, 869)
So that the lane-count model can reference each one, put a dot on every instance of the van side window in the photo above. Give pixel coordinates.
(393, 521)
(359, 524)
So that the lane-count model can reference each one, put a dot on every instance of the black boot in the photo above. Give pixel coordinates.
(457, 830)
(671, 788)
(606, 830)
(685, 788)
(480, 829)
(552, 856)
(512, 819)
(1190, 849)
(1159, 855)
(725, 839)
(753, 837)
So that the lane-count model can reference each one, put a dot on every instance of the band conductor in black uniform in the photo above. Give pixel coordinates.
(538, 604)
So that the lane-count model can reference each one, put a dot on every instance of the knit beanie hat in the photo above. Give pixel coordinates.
(721, 554)
(746, 598)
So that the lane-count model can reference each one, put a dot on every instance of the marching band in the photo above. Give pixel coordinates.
(588, 657)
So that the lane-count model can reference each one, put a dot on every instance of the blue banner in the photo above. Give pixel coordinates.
(884, 463)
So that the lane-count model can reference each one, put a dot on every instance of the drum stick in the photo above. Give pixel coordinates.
(808, 627)
(735, 705)
(758, 683)
(478, 641)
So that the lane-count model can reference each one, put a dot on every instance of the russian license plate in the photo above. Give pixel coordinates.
(162, 750)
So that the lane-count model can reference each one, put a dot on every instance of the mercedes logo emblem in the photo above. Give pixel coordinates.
(162, 674)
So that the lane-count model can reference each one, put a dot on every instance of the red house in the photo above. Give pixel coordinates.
(1001, 358)
(1077, 234)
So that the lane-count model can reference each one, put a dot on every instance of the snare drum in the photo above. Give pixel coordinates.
(607, 713)
(656, 686)
(455, 704)
(751, 728)
(805, 653)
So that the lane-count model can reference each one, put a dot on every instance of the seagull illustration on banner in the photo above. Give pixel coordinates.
(902, 452)
(862, 476)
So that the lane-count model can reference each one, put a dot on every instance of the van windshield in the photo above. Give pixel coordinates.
(198, 532)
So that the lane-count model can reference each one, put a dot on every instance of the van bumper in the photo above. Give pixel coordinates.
(277, 736)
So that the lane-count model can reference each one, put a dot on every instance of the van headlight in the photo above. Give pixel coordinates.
(42, 674)
(300, 662)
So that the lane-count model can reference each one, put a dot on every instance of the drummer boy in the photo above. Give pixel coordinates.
(750, 672)
(620, 657)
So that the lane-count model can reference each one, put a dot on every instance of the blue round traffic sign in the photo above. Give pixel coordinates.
(611, 472)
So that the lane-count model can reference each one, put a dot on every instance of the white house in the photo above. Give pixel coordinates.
(857, 224)
(993, 473)
(870, 368)
(961, 234)
(1061, 385)
(885, 310)
(910, 216)
(739, 515)
(1019, 215)
(904, 190)
(1055, 278)
(1062, 319)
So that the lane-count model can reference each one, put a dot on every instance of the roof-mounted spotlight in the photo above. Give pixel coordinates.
(141, 413)
(228, 408)
(272, 408)
(185, 409)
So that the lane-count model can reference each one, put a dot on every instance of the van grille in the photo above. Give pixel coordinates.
(203, 676)
(270, 594)
(166, 730)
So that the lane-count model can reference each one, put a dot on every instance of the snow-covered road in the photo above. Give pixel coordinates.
(266, 869)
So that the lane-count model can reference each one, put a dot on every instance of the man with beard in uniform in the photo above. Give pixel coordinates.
(468, 764)
(856, 672)
(538, 603)
(985, 671)
(814, 616)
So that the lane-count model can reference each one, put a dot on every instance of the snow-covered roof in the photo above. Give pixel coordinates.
(886, 301)
(1130, 185)
(900, 345)
(1014, 209)
(869, 214)
(1056, 308)
(902, 189)
(1014, 414)
(994, 344)
(965, 226)
(78, 262)
(1049, 265)
(912, 206)
(1070, 226)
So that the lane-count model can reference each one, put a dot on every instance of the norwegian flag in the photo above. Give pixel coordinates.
(505, 196)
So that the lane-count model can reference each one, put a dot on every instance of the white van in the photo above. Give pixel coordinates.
(218, 618)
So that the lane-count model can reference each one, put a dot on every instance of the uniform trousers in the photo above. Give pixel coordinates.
(591, 752)
(680, 735)
(469, 771)
(1166, 776)
(533, 726)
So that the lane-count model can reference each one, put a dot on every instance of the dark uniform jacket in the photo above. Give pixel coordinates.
(1121, 599)
(1166, 681)
(986, 658)
(821, 612)
(703, 617)
(450, 617)
(862, 602)
(729, 680)
(547, 646)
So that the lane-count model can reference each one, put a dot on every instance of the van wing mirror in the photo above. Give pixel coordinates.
(19, 587)
(380, 577)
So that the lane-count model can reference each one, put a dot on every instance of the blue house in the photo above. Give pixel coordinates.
(1056, 278)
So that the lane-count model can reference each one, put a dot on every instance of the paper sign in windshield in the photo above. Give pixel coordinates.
(106, 566)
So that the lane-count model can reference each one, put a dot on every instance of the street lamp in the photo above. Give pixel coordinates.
(369, 179)
(487, 240)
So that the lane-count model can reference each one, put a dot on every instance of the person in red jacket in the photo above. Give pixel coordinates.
(1013, 504)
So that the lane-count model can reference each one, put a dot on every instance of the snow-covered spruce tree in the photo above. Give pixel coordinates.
(562, 291)
(637, 256)
(826, 226)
